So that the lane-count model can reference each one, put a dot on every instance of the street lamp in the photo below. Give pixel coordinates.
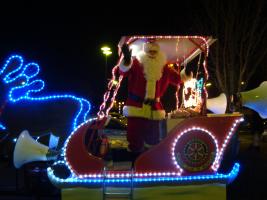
(106, 51)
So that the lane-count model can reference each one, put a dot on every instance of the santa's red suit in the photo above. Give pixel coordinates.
(148, 79)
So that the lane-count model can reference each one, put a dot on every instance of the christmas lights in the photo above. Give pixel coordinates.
(176, 177)
(163, 179)
(103, 111)
(2, 127)
(21, 83)
(218, 158)
(204, 40)
(219, 150)
(192, 92)
(187, 131)
(67, 141)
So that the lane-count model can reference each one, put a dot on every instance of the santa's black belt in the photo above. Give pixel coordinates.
(142, 100)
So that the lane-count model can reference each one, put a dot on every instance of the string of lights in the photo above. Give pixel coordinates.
(22, 85)
(2, 127)
(217, 177)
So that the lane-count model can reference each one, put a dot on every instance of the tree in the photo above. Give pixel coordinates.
(241, 31)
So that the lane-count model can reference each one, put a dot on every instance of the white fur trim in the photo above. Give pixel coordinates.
(144, 112)
(125, 68)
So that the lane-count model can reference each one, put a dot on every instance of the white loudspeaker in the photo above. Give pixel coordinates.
(218, 104)
(28, 150)
(256, 99)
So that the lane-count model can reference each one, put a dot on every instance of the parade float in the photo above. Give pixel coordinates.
(191, 153)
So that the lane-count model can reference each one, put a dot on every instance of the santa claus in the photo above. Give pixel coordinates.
(148, 78)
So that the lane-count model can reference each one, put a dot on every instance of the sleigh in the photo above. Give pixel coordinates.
(196, 147)
(193, 149)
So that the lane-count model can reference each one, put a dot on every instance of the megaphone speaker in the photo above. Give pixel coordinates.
(256, 99)
(28, 150)
(218, 104)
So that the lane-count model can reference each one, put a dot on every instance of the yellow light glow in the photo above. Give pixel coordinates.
(191, 94)
(115, 82)
(107, 53)
(208, 84)
(242, 83)
(105, 48)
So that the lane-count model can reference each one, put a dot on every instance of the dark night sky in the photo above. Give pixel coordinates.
(65, 40)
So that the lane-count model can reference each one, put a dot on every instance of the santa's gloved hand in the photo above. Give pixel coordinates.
(127, 54)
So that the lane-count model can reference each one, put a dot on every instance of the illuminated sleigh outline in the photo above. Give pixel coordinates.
(192, 152)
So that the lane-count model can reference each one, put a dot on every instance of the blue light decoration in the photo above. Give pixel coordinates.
(176, 180)
(2, 127)
(22, 85)
(199, 86)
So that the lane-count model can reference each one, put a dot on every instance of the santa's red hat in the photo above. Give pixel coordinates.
(151, 45)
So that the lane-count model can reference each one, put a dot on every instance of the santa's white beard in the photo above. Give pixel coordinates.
(152, 66)
(152, 71)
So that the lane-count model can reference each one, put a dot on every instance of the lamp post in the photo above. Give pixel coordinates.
(106, 51)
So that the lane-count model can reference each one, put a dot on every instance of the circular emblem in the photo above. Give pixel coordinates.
(195, 150)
